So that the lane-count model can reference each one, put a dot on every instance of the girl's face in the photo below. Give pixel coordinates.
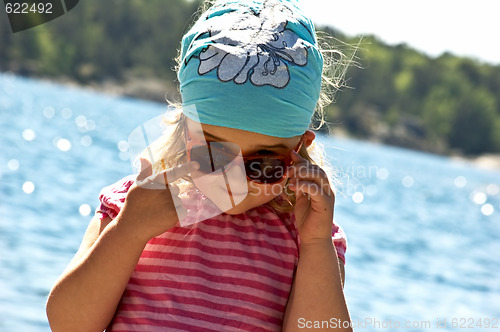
(249, 143)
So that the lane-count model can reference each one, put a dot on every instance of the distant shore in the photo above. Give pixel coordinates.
(152, 89)
(157, 90)
(486, 161)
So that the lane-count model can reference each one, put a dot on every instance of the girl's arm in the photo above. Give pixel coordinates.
(316, 296)
(317, 290)
(86, 296)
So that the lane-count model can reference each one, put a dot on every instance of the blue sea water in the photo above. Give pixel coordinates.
(423, 230)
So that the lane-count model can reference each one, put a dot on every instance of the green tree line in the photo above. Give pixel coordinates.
(99, 40)
(405, 97)
(394, 94)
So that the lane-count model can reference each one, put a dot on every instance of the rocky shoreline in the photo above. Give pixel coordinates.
(405, 134)
(486, 161)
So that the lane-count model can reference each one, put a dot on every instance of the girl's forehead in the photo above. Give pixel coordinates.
(241, 137)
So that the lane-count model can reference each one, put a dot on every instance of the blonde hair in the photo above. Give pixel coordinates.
(170, 150)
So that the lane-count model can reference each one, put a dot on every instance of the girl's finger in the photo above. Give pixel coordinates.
(297, 158)
(145, 178)
(309, 172)
(146, 170)
(309, 189)
(321, 181)
(179, 171)
(304, 171)
(162, 179)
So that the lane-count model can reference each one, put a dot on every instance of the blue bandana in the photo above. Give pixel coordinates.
(252, 65)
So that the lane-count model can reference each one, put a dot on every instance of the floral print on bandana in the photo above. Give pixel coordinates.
(252, 46)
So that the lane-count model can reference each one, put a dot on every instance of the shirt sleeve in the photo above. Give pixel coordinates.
(339, 240)
(113, 197)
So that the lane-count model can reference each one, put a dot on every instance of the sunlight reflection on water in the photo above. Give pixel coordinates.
(421, 229)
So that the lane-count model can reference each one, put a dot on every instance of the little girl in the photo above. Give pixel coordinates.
(250, 75)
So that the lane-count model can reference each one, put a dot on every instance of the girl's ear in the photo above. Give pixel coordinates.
(309, 137)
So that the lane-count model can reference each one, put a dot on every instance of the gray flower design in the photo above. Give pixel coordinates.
(256, 47)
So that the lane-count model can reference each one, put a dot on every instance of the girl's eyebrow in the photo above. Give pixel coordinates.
(280, 145)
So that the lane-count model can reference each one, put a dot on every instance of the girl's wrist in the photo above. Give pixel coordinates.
(316, 243)
(317, 248)
(321, 233)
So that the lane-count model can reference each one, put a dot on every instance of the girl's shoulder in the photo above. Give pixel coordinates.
(113, 197)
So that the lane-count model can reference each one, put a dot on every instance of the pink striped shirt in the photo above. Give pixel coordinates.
(226, 273)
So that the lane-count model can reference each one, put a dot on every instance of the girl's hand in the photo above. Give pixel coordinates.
(152, 204)
(315, 200)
